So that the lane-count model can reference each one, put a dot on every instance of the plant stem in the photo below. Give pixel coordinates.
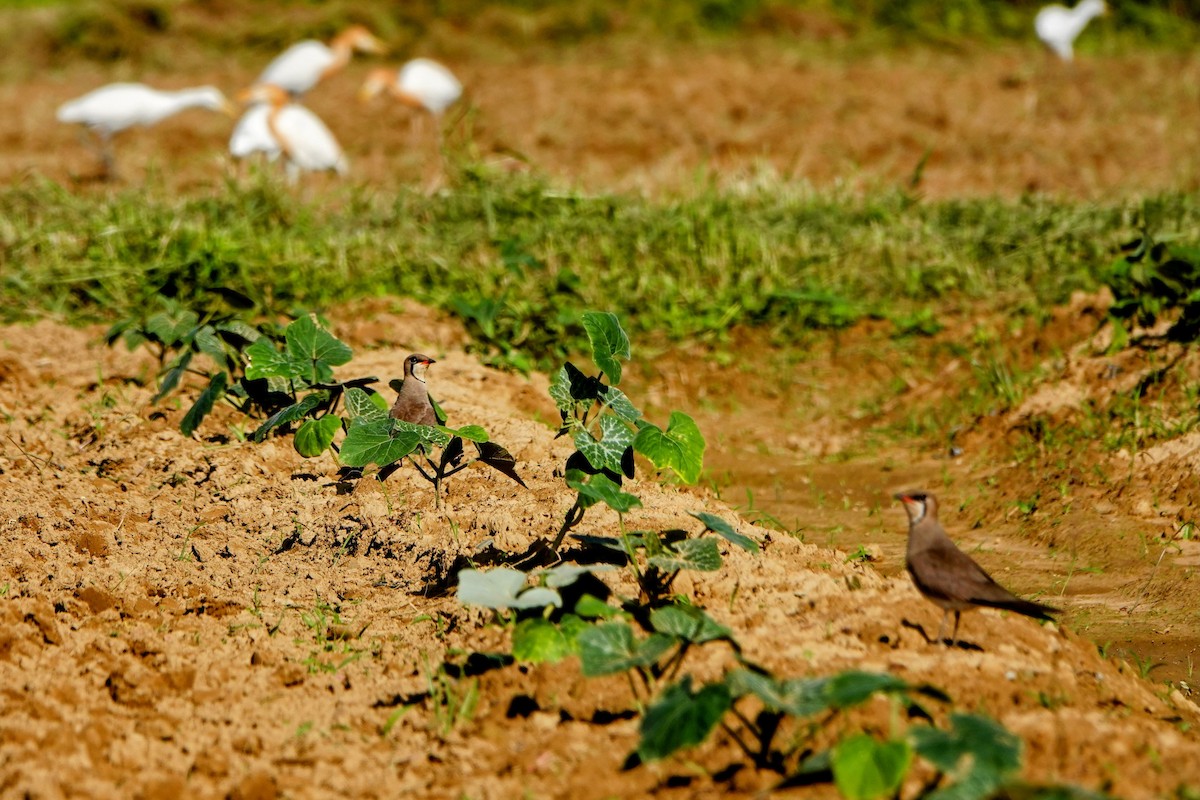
(676, 661)
(637, 572)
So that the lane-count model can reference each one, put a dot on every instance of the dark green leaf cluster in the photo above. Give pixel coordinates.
(374, 437)
(179, 334)
(1153, 278)
(974, 758)
(529, 320)
(608, 429)
(288, 375)
(301, 370)
(649, 637)
(285, 374)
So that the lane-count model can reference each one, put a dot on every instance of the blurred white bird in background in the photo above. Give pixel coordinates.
(1058, 26)
(253, 135)
(299, 134)
(421, 83)
(304, 64)
(117, 106)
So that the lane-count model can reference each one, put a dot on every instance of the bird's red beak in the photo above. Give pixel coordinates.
(902, 497)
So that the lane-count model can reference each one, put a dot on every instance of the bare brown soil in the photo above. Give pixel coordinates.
(206, 617)
(1105, 533)
(992, 123)
(169, 603)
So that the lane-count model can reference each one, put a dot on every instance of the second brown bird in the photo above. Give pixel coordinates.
(946, 575)
(412, 403)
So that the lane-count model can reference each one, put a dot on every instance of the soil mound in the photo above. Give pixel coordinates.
(211, 617)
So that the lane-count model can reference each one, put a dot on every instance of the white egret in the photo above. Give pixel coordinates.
(299, 134)
(117, 106)
(1058, 26)
(304, 64)
(253, 135)
(421, 83)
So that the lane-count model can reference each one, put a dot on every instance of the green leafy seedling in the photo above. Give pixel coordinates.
(608, 429)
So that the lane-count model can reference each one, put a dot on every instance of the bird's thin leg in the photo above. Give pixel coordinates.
(85, 138)
(942, 627)
(441, 138)
(435, 169)
(954, 636)
(110, 161)
(97, 142)
(414, 130)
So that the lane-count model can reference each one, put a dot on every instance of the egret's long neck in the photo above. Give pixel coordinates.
(341, 57)
(188, 98)
(342, 49)
(1085, 13)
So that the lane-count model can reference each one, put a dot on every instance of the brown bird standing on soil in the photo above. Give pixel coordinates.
(948, 576)
(413, 404)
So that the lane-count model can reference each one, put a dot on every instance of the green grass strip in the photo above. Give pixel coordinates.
(519, 261)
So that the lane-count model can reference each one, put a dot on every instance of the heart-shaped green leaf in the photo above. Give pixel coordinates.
(503, 587)
(864, 768)
(591, 607)
(315, 435)
(800, 697)
(851, 688)
(265, 361)
(687, 622)
(617, 402)
(315, 348)
(608, 451)
(995, 752)
(365, 406)
(680, 447)
(377, 443)
(426, 434)
(600, 488)
(697, 554)
(207, 342)
(609, 342)
(538, 640)
(172, 327)
(680, 718)
(472, 433)
(611, 647)
(722, 528)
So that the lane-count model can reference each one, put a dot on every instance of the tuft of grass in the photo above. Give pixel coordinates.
(519, 261)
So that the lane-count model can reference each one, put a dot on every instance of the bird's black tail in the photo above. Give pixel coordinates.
(1026, 607)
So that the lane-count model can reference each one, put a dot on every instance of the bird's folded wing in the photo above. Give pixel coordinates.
(950, 572)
